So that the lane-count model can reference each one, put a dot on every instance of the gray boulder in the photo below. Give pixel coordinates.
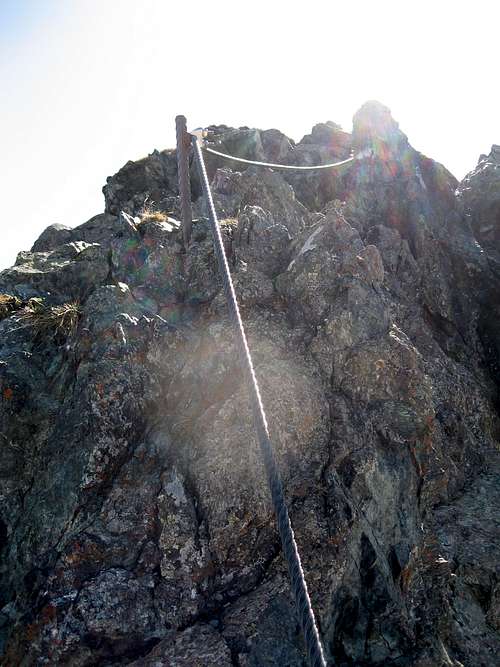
(135, 521)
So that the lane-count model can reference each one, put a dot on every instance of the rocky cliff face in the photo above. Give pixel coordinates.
(135, 523)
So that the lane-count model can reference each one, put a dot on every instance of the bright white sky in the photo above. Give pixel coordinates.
(89, 84)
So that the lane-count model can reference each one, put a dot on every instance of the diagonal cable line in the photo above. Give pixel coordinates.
(289, 545)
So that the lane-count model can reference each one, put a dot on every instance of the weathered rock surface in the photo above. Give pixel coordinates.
(480, 194)
(135, 522)
(152, 180)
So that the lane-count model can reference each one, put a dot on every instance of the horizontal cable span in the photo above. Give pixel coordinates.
(289, 167)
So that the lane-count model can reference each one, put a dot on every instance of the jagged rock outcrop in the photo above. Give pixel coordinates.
(480, 195)
(135, 522)
(152, 179)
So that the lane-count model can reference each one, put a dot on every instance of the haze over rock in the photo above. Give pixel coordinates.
(135, 521)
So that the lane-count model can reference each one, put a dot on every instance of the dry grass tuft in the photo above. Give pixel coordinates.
(148, 214)
(9, 304)
(153, 216)
(229, 223)
(59, 321)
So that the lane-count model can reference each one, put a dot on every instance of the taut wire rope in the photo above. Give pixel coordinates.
(289, 545)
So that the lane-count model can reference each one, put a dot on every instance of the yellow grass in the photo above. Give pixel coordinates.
(148, 214)
(57, 320)
(8, 304)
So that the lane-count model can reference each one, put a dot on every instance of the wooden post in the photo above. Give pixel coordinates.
(183, 145)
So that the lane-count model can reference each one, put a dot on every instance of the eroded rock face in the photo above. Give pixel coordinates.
(135, 522)
(480, 194)
(150, 181)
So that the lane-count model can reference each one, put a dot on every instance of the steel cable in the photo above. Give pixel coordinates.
(299, 585)
(290, 167)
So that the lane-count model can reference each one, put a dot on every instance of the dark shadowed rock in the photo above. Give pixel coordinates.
(262, 242)
(51, 237)
(198, 646)
(326, 144)
(99, 229)
(480, 194)
(71, 270)
(135, 521)
(152, 180)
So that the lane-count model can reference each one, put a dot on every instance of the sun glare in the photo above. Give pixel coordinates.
(91, 85)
